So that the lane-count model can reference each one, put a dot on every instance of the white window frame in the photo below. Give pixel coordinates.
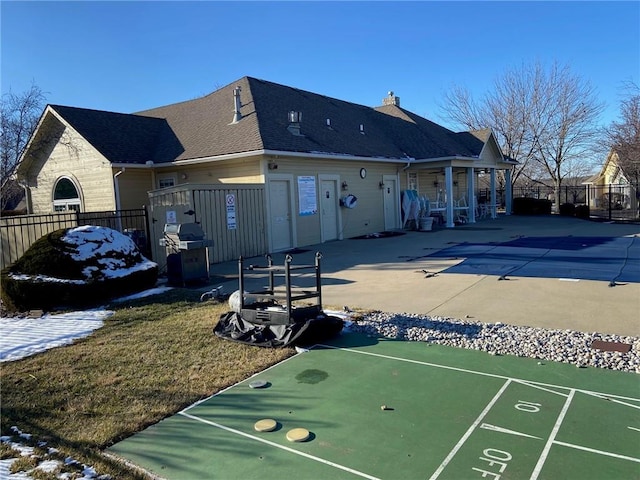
(170, 177)
(67, 204)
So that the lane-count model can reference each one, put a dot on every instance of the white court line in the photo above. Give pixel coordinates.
(552, 437)
(634, 428)
(282, 447)
(600, 452)
(238, 383)
(606, 397)
(532, 385)
(475, 372)
(468, 433)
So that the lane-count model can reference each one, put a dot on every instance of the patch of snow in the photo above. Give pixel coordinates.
(22, 337)
(5, 471)
(45, 464)
(22, 277)
(92, 241)
(105, 247)
(49, 466)
(146, 293)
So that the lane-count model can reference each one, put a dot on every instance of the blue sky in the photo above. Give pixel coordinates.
(131, 56)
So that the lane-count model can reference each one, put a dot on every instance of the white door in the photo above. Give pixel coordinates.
(391, 202)
(280, 214)
(329, 209)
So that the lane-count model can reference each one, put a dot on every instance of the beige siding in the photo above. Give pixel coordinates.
(76, 159)
(231, 171)
(427, 187)
(366, 217)
(134, 185)
(612, 172)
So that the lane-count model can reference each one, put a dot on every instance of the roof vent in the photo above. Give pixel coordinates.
(237, 103)
(362, 129)
(295, 119)
(391, 99)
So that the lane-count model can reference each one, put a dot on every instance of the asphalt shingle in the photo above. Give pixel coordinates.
(202, 128)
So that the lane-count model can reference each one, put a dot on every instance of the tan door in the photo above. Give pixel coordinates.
(391, 202)
(280, 214)
(329, 209)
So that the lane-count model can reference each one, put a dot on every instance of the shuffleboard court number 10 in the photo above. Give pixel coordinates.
(529, 407)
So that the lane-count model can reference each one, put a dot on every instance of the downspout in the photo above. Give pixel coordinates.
(409, 161)
(116, 187)
(27, 195)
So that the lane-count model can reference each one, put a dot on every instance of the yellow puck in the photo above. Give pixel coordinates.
(298, 435)
(265, 425)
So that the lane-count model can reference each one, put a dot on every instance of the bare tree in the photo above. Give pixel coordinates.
(624, 136)
(545, 118)
(19, 115)
(565, 131)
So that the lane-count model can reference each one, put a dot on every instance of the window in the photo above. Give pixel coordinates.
(65, 196)
(167, 180)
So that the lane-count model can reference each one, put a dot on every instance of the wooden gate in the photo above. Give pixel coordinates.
(232, 215)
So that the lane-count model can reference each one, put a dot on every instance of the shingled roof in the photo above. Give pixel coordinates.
(121, 137)
(203, 128)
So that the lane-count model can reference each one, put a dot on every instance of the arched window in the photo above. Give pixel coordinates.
(65, 196)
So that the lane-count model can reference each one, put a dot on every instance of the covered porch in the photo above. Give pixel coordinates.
(457, 189)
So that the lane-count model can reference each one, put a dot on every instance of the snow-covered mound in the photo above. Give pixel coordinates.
(76, 267)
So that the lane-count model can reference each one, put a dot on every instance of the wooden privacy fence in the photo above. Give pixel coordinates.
(18, 233)
(232, 215)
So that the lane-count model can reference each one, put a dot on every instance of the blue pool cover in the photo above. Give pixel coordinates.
(611, 259)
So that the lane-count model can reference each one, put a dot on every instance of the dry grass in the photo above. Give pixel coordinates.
(152, 358)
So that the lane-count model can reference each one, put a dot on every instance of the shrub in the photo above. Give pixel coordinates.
(567, 209)
(531, 206)
(582, 211)
(77, 267)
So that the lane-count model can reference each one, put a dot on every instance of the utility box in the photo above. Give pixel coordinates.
(187, 254)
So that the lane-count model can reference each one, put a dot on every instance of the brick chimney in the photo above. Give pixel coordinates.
(391, 99)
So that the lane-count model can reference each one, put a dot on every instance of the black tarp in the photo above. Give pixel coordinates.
(232, 326)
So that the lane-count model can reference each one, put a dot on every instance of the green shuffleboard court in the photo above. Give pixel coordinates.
(385, 409)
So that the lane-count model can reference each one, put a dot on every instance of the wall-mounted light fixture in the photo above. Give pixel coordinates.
(345, 186)
(455, 183)
(436, 183)
(272, 166)
(184, 176)
(381, 184)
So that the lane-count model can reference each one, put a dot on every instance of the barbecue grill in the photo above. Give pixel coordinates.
(187, 255)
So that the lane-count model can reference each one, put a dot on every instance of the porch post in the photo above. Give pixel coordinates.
(471, 195)
(493, 204)
(448, 182)
(508, 192)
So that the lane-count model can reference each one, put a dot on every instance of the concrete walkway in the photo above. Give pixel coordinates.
(387, 274)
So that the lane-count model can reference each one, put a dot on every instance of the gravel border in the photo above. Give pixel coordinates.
(565, 346)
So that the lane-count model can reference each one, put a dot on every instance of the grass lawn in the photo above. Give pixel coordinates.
(152, 358)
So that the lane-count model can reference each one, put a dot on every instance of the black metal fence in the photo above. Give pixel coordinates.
(611, 202)
(18, 233)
